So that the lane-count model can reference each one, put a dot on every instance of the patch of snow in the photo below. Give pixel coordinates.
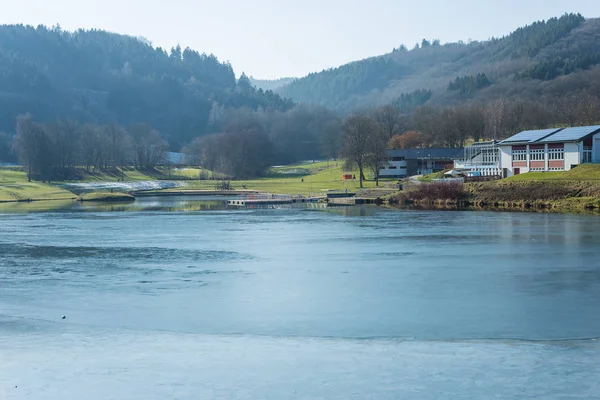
(125, 186)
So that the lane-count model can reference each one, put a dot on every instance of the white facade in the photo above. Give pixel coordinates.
(550, 156)
(394, 169)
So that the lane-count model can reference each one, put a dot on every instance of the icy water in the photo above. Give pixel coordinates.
(183, 299)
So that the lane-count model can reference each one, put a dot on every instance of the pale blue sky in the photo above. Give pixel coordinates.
(276, 38)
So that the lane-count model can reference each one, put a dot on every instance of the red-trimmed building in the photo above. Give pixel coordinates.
(549, 150)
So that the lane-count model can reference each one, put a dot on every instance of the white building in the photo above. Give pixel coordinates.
(408, 162)
(549, 150)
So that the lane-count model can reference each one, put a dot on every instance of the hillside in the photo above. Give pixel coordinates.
(99, 77)
(558, 56)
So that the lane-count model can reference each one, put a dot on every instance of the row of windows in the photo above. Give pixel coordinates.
(519, 155)
(556, 154)
(538, 155)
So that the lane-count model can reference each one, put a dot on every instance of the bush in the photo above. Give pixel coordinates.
(223, 185)
(439, 191)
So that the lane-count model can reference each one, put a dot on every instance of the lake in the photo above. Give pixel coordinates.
(184, 298)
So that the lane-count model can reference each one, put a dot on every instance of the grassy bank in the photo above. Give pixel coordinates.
(15, 187)
(547, 195)
(585, 172)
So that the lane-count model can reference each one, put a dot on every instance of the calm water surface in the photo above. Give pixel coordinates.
(184, 299)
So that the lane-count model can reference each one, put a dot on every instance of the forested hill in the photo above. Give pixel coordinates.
(558, 56)
(100, 77)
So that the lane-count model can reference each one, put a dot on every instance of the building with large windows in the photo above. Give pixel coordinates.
(408, 162)
(480, 159)
(549, 150)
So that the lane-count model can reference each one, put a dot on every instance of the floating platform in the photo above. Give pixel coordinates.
(269, 199)
(260, 199)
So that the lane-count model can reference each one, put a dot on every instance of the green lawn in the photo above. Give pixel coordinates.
(581, 172)
(14, 186)
(295, 179)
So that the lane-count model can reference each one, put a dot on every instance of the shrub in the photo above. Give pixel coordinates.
(439, 191)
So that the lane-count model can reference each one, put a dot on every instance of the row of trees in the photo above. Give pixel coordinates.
(453, 126)
(52, 150)
(249, 141)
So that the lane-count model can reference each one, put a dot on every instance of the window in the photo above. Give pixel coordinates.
(392, 167)
(537, 155)
(536, 169)
(556, 154)
(519, 155)
(587, 154)
(556, 169)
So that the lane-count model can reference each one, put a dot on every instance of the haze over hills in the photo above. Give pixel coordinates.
(558, 56)
(270, 84)
(99, 77)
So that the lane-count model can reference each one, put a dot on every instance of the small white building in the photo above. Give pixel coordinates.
(549, 150)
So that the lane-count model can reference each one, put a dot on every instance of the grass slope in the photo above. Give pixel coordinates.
(318, 177)
(15, 187)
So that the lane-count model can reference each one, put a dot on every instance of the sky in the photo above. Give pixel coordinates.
(270, 39)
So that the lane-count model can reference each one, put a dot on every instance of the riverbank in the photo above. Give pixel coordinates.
(563, 196)
(303, 179)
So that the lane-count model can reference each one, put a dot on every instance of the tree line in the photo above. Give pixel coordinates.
(247, 142)
(55, 150)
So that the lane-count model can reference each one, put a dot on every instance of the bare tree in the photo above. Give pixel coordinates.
(357, 132)
(148, 146)
(496, 116)
(376, 152)
(34, 148)
(388, 119)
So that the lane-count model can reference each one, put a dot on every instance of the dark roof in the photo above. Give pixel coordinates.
(574, 134)
(433, 154)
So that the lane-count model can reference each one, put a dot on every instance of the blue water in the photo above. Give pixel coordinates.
(299, 303)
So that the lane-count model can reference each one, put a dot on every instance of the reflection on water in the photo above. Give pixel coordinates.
(161, 203)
